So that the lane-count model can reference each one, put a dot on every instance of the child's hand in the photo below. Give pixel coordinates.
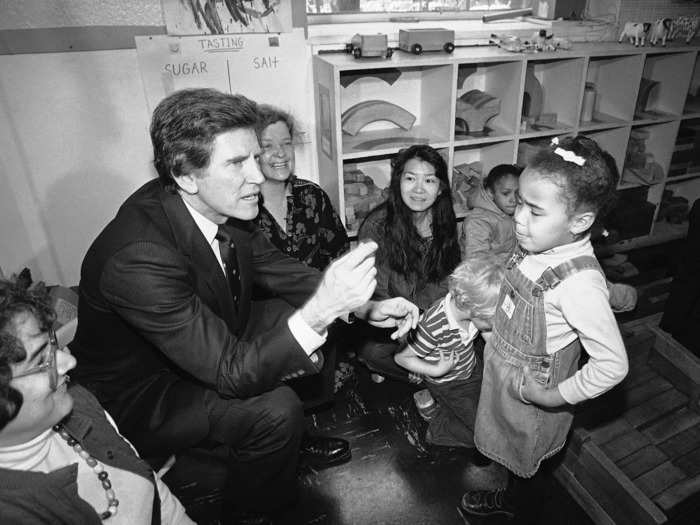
(445, 364)
(531, 391)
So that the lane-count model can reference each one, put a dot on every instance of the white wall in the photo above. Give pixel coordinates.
(74, 144)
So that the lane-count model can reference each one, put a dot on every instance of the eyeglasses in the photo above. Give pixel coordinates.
(48, 364)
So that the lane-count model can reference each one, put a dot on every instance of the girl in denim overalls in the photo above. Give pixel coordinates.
(553, 301)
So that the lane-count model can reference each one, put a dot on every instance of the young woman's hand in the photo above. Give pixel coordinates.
(531, 391)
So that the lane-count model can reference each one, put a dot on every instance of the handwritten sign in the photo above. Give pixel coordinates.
(272, 69)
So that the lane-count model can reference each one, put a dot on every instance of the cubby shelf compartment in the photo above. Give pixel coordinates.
(615, 81)
(497, 79)
(670, 75)
(614, 141)
(672, 215)
(560, 81)
(648, 154)
(419, 90)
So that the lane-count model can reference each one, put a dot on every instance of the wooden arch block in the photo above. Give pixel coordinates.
(476, 108)
(533, 96)
(363, 113)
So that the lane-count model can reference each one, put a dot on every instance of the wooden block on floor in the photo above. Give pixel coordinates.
(603, 434)
(638, 376)
(677, 493)
(624, 445)
(642, 461)
(690, 463)
(656, 407)
(645, 391)
(681, 443)
(672, 424)
(659, 479)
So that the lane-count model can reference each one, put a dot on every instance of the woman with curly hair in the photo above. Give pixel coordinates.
(62, 459)
(416, 230)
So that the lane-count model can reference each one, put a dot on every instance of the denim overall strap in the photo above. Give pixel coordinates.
(510, 431)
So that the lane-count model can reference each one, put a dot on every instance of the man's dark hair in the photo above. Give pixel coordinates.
(17, 299)
(185, 125)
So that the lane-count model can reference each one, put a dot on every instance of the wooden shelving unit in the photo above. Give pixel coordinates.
(646, 98)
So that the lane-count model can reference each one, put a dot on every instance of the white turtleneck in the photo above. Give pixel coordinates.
(48, 452)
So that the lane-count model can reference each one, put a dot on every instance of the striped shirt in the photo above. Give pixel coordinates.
(438, 330)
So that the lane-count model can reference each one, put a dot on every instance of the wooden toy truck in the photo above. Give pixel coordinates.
(369, 46)
(429, 39)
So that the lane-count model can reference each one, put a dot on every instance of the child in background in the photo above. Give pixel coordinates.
(553, 300)
(488, 227)
(441, 348)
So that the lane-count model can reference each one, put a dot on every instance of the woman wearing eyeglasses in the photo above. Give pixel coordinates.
(61, 457)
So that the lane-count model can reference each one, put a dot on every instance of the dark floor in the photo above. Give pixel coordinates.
(394, 476)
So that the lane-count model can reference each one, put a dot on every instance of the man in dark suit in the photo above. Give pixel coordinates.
(163, 335)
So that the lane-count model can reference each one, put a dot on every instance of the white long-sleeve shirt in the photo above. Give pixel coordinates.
(579, 307)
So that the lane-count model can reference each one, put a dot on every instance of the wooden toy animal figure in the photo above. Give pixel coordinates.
(636, 32)
(659, 31)
(684, 25)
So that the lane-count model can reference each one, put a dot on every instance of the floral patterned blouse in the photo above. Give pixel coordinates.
(313, 233)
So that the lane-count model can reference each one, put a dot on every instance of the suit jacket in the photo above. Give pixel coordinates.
(157, 325)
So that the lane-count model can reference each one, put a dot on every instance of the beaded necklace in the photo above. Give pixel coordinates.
(96, 466)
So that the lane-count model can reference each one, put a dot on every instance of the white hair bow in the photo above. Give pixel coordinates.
(567, 155)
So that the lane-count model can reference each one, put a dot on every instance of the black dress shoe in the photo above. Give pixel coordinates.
(320, 452)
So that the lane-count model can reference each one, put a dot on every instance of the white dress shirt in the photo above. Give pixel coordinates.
(307, 337)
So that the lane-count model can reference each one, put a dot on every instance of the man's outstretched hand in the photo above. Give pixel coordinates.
(389, 313)
(347, 284)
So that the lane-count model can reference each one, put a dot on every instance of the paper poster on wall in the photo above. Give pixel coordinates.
(266, 68)
(219, 17)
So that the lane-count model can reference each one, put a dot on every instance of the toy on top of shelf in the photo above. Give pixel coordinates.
(429, 39)
(539, 41)
(636, 32)
(508, 42)
(358, 116)
(369, 46)
(660, 31)
(687, 25)
(474, 109)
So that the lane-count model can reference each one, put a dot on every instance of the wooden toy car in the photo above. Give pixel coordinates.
(429, 39)
(369, 46)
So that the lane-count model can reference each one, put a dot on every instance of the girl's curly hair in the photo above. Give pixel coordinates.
(17, 297)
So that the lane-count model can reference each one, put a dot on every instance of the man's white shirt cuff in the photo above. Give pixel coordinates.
(306, 336)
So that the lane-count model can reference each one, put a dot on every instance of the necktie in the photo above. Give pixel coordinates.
(228, 256)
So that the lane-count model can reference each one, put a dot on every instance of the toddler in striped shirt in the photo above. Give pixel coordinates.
(441, 349)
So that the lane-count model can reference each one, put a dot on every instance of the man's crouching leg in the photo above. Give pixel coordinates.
(263, 433)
